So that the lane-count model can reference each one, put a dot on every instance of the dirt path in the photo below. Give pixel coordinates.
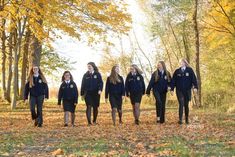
(207, 135)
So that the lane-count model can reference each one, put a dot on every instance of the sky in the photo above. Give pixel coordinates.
(81, 53)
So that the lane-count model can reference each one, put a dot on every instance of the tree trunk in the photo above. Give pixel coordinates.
(176, 39)
(15, 71)
(197, 45)
(3, 38)
(36, 50)
(9, 79)
(24, 63)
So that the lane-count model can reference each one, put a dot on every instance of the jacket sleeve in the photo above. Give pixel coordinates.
(194, 80)
(100, 85)
(127, 86)
(173, 81)
(83, 85)
(123, 86)
(46, 91)
(60, 94)
(143, 85)
(26, 91)
(76, 94)
(170, 80)
(150, 85)
(107, 88)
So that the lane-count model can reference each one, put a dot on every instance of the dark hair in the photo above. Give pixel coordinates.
(71, 76)
(94, 66)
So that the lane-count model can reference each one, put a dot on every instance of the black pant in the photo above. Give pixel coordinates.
(183, 100)
(38, 102)
(160, 105)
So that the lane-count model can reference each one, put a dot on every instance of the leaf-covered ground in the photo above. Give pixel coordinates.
(209, 134)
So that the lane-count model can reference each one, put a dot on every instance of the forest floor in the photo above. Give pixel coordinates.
(208, 134)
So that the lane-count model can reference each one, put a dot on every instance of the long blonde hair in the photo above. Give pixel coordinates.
(165, 69)
(30, 77)
(114, 77)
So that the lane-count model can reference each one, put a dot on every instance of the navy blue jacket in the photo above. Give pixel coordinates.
(184, 81)
(117, 88)
(161, 85)
(134, 84)
(40, 88)
(68, 91)
(91, 82)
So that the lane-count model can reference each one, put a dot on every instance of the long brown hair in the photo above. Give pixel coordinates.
(137, 69)
(165, 69)
(30, 77)
(94, 66)
(114, 77)
(71, 76)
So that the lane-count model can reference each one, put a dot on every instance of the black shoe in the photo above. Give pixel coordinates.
(89, 124)
(120, 122)
(180, 122)
(95, 123)
(66, 125)
(39, 125)
(186, 121)
(137, 122)
(158, 121)
(35, 122)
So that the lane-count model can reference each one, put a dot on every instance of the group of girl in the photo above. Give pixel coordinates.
(116, 89)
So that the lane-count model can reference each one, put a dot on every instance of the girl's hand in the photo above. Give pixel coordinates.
(195, 90)
(26, 101)
(172, 93)
(123, 97)
(99, 92)
(169, 89)
(75, 104)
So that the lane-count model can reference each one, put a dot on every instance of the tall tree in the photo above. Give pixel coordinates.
(197, 46)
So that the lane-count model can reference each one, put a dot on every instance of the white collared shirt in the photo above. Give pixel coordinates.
(183, 68)
(91, 72)
(35, 75)
(133, 74)
(67, 82)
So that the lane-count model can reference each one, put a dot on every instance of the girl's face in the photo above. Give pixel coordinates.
(182, 63)
(132, 70)
(90, 68)
(67, 76)
(159, 66)
(35, 70)
(117, 69)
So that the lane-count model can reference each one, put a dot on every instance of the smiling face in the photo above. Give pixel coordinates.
(132, 69)
(35, 69)
(117, 70)
(182, 63)
(90, 68)
(67, 76)
(160, 66)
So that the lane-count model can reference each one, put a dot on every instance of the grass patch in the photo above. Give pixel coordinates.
(10, 142)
